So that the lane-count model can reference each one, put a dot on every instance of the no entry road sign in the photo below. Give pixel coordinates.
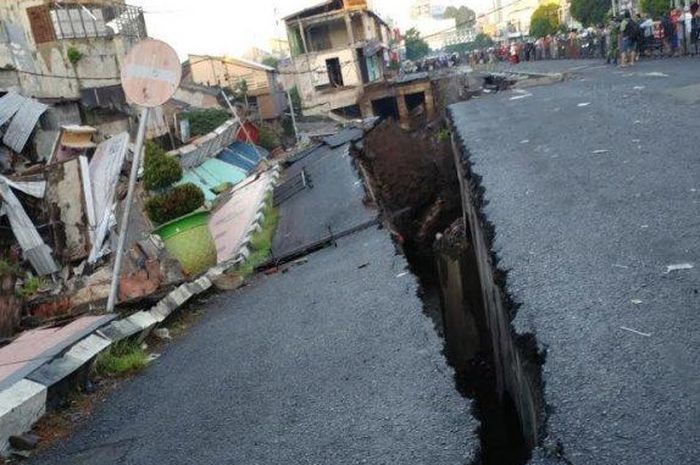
(151, 73)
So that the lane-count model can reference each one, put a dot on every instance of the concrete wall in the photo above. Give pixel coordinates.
(312, 80)
(213, 71)
(196, 98)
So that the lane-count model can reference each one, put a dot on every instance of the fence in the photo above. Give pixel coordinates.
(206, 147)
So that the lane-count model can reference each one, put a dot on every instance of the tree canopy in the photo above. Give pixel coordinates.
(270, 61)
(482, 41)
(655, 8)
(416, 48)
(545, 20)
(591, 12)
(464, 16)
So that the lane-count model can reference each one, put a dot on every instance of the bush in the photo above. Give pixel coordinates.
(7, 268)
(268, 139)
(205, 121)
(261, 242)
(160, 170)
(74, 55)
(177, 202)
(30, 287)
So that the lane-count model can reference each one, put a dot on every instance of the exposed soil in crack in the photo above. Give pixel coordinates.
(416, 186)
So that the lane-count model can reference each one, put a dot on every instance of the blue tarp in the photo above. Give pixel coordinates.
(212, 174)
(242, 155)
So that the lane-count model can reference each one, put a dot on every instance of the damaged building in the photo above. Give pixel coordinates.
(264, 94)
(68, 54)
(338, 47)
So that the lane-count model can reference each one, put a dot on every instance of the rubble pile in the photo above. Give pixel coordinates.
(59, 195)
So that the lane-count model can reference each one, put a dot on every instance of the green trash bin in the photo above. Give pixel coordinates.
(188, 240)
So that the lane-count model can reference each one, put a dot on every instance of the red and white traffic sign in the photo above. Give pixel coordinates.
(151, 73)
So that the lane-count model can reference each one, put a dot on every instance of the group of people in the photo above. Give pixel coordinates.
(631, 37)
(623, 40)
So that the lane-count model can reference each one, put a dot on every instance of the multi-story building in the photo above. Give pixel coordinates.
(337, 48)
(68, 49)
(264, 93)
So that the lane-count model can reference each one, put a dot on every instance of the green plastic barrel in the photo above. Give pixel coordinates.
(188, 240)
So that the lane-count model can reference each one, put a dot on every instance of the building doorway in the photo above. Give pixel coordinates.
(386, 108)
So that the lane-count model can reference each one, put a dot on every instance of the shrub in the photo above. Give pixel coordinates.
(160, 170)
(268, 139)
(7, 268)
(74, 55)
(205, 121)
(177, 202)
(30, 287)
(261, 242)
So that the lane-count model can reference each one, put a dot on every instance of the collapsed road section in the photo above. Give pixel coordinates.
(327, 360)
(413, 178)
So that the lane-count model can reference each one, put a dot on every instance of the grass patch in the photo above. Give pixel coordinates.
(261, 242)
(121, 359)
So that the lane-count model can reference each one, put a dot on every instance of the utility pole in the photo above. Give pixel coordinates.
(150, 76)
(294, 118)
(123, 229)
(240, 123)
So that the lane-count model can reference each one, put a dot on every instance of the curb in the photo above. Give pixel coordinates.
(26, 401)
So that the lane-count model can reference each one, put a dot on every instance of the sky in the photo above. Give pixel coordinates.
(230, 27)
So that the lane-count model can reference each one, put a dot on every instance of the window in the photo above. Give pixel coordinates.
(335, 73)
(320, 37)
(78, 23)
(40, 23)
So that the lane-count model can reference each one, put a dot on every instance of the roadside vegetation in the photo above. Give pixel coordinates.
(204, 121)
(121, 359)
(261, 242)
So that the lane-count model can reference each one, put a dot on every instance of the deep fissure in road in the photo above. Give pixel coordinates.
(414, 181)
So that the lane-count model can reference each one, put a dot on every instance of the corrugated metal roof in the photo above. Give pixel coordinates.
(23, 124)
(33, 188)
(105, 166)
(9, 104)
(34, 248)
(344, 136)
(212, 174)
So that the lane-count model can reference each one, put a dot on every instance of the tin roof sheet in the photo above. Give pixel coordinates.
(23, 124)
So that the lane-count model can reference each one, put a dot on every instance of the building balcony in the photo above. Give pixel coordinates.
(56, 21)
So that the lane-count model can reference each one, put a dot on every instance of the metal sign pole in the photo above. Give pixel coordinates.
(119, 256)
(294, 118)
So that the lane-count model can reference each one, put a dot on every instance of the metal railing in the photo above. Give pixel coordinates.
(78, 21)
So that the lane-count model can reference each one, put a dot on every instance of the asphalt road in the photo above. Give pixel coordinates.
(593, 186)
(329, 362)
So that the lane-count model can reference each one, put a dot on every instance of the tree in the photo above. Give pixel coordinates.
(655, 8)
(482, 41)
(545, 20)
(591, 12)
(271, 61)
(464, 16)
(416, 48)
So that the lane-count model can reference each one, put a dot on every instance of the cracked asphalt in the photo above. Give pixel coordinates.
(329, 362)
(593, 186)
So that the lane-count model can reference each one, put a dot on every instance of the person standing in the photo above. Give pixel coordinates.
(613, 40)
(695, 25)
